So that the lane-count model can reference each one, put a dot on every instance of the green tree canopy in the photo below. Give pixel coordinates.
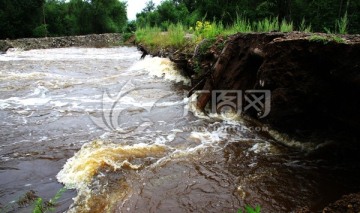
(29, 18)
(321, 14)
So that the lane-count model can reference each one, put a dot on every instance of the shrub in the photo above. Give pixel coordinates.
(40, 31)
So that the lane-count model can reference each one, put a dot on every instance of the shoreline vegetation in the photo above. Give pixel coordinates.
(187, 46)
(179, 36)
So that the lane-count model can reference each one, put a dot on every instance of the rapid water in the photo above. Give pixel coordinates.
(121, 135)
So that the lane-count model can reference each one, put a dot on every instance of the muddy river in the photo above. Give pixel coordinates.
(121, 135)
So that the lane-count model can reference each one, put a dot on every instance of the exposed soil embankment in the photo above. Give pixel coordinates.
(93, 40)
(314, 81)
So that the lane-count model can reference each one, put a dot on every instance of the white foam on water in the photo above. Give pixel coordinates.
(81, 172)
(9, 76)
(236, 119)
(15, 102)
(260, 147)
(36, 98)
(70, 54)
(160, 67)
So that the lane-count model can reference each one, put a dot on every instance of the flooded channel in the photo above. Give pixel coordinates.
(121, 135)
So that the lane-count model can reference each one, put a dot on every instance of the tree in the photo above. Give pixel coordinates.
(18, 18)
(150, 6)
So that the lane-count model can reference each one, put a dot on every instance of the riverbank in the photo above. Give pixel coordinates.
(308, 76)
(313, 79)
(93, 40)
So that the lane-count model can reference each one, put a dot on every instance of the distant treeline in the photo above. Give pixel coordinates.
(322, 15)
(39, 18)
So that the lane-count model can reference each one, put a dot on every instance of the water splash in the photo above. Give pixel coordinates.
(97, 160)
(162, 68)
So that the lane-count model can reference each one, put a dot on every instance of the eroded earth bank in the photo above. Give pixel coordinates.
(314, 81)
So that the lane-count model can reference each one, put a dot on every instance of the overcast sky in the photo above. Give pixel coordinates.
(135, 6)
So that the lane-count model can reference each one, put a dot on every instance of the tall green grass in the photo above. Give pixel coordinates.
(286, 26)
(342, 24)
(241, 25)
(148, 35)
(303, 27)
(266, 25)
(174, 36)
(153, 36)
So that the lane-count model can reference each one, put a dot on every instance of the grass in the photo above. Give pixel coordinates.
(326, 39)
(266, 25)
(154, 37)
(39, 204)
(174, 36)
(241, 25)
(249, 209)
(342, 24)
(304, 28)
(175, 33)
(42, 206)
(318, 38)
(286, 26)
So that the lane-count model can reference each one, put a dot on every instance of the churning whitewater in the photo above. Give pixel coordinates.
(122, 136)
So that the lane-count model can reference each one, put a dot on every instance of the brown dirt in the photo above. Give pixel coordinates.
(313, 83)
(348, 203)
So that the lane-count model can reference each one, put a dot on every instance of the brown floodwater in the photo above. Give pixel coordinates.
(121, 136)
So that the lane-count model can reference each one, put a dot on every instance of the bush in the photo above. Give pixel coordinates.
(40, 31)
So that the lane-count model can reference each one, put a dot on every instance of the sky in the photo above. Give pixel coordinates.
(135, 6)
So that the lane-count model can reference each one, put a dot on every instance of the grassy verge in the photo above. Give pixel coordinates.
(327, 39)
(154, 37)
(175, 34)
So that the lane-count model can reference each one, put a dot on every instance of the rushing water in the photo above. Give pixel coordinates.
(121, 135)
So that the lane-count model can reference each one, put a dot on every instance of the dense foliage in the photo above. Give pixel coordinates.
(323, 15)
(38, 18)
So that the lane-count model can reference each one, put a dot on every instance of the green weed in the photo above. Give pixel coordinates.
(318, 38)
(337, 39)
(266, 25)
(241, 25)
(342, 24)
(176, 35)
(304, 28)
(326, 39)
(249, 209)
(286, 27)
(41, 206)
